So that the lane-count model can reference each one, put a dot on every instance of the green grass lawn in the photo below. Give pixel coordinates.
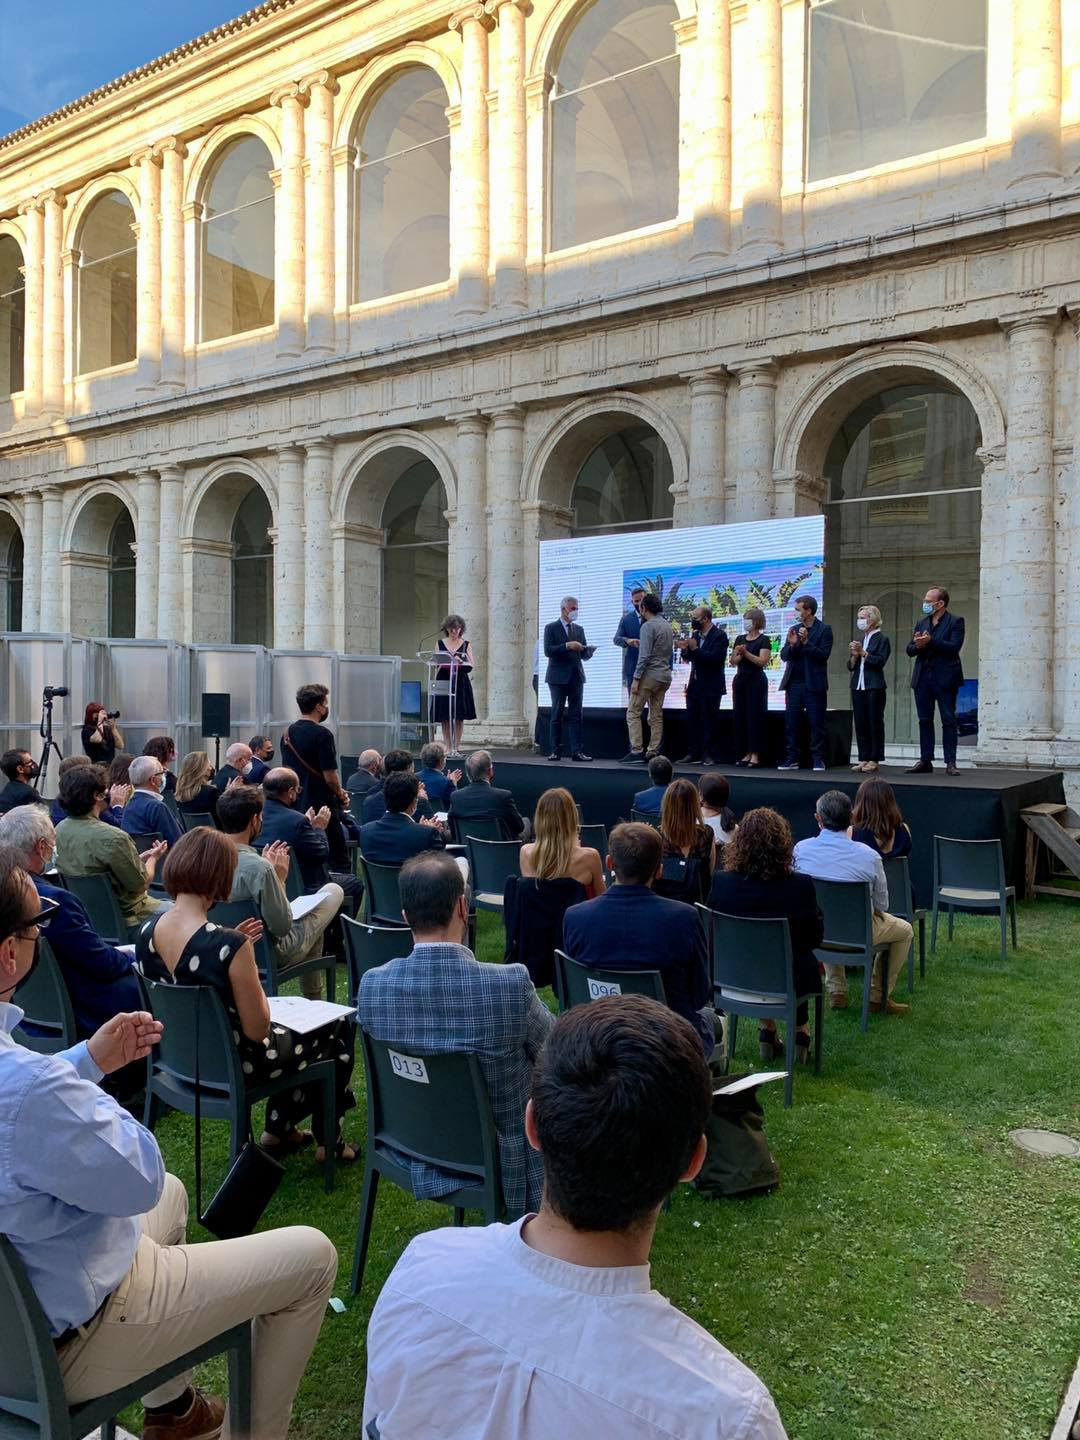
(914, 1276)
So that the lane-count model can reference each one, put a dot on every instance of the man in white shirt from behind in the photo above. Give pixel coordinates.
(548, 1327)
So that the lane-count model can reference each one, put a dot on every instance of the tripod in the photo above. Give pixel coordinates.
(50, 746)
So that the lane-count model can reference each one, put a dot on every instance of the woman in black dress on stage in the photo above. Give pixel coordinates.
(751, 653)
(452, 641)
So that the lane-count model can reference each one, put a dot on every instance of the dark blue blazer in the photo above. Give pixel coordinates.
(259, 768)
(941, 658)
(98, 976)
(439, 787)
(393, 839)
(630, 928)
(307, 843)
(374, 806)
(629, 629)
(16, 793)
(108, 817)
(707, 664)
(815, 652)
(877, 651)
(649, 801)
(144, 813)
(564, 666)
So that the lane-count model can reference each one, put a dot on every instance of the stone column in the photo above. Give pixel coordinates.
(147, 542)
(708, 439)
(712, 104)
(319, 209)
(761, 212)
(289, 550)
(755, 436)
(51, 614)
(469, 192)
(318, 547)
(33, 272)
(537, 120)
(468, 545)
(52, 352)
(345, 220)
(289, 227)
(172, 334)
(170, 590)
(1036, 91)
(506, 577)
(31, 611)
(148, 256)
(992, 538)
(510, 209)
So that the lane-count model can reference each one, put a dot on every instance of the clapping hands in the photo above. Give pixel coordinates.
(319, 818)
(123, 1040)
(278, 855)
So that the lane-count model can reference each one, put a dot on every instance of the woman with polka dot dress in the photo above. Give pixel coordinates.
(183, 946)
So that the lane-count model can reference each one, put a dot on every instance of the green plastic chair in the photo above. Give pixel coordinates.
(970, 875)
(902, 905)
(369, 946)
(44, 999)
(491, 863)
(577, 983)
(101, 905)
(192, 819)
(462, 831)
(382, 902)
(594, 837)
(272, 973)
(849, 932)
(145, 839)
(645, 817)
(753, 975)
(433, 1108)
(32, 1400)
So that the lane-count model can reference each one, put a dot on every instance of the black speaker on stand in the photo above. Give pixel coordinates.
(216, 721)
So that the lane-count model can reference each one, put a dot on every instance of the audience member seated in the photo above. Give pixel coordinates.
(550, 1326)
(757, 880)
(184, 946)
(833, 855)
(648, 802)
(631, 928)
(716, 811)
(98, 976)
(305, 835)
(481, 800)
(20, 768)
(439, 785)
(237, 764)
(86, 846)
(397, 836)
(119, 773)
(366, 776)
(163, 749)
(557, 853)
(685, 836)
(100, 1227)
(876, 820)
(261, 879)
(394, 762)
(196, 794)
(113, 812)
(441, 999)
(146, 812)
(262, 752)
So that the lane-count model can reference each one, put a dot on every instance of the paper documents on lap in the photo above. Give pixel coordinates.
(745, 1082)
(302, 1015)
(304, 904)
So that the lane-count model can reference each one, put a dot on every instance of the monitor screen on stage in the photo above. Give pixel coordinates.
(727, 567)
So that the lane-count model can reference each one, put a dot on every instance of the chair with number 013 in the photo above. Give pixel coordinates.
(433, 1109)
(577, 983)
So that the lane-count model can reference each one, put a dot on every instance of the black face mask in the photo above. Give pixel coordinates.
(696, 624)
(33, 772)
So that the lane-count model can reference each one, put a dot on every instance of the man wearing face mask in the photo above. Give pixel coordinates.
(309, 748)
(935, 647)
(237, 760)
(626, 636)
(805, 682)
(262, 752)
(20, 769)
(565, 647)
(706, 650)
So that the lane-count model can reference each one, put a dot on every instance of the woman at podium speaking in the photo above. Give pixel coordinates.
(459, 704)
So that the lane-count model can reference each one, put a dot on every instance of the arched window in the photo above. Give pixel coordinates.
(12, 316)
(403, 188)
(624, 484)
(615, 123)
(253, 572)
(415, 590)
(238, 241)
(903, 513)
(108, 284)
(122, 576)
(11, 573)
(889, 79)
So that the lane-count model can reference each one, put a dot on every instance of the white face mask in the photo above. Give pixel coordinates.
(862, 623)
(247, 769)
(571, 617)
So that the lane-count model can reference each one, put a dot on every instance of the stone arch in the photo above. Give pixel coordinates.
(235, 129)
(374, 77)
(96, 188)
(17, 232)
(558, 23)
(209, 552)
(389, 440)
(99, 594)
(195, 516)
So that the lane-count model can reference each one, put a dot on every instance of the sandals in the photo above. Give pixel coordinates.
(285, 1145)
(344, 1153)
(769, 1044)
(802, 1047)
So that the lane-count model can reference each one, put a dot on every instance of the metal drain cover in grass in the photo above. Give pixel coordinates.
(1045, 1142)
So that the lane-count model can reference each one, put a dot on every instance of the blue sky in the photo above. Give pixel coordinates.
(57, 50)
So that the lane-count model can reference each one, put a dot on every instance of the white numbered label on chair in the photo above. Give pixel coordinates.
(409, 1067)
(598, 989)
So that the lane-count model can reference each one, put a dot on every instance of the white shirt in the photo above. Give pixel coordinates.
(860, 684)
(833, 855)
(716, 825)
(478, 1336)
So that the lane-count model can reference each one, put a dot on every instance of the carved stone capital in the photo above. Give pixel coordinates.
(172, 144)
(285, 93)
(146, 155)
(321, 79)
(474, 14)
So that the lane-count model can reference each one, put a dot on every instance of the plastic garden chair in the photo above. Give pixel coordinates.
(272, 972)
(369, 946)
(645, 817)
(577, 983)
(970, 875)
(491, 863)
(192, 819)
(101, 905)
(902, 905)
(381, 896)
(44, 999)
(849, 933)
(465, 830)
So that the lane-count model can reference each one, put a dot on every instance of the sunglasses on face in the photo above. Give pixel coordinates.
(39, 921)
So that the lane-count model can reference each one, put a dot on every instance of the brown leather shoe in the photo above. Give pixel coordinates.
(952, 769)
(921, 767)
(201, 1421)
(891, 1007)
(838, 1002)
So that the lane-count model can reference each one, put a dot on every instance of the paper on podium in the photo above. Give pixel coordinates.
(746, 1082)
(303, 1016)
(304, 904)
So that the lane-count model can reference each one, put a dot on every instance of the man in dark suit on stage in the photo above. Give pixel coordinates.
(396, 836)
(935, 646)
(481, 800)
(626, 637)
(565, 647)
(706, 649)
(806, 681)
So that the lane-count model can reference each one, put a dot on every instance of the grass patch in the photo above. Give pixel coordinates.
(915, 1276)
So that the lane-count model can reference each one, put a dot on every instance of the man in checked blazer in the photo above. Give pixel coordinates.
(565, 647)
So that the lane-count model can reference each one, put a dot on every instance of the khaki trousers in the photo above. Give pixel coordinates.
(887, 930)
(177, 1296)
(650, 693)
(305, 937)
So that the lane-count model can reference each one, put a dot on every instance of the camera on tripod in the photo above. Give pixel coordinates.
(52, 692)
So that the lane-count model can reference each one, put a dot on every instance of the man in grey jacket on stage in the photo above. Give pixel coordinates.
(652, 678)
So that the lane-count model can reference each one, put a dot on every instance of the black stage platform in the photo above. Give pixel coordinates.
(977, 804)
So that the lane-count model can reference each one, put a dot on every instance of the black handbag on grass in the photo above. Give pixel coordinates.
(738, 1160)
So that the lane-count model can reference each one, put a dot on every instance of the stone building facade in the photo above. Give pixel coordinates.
(315, 327)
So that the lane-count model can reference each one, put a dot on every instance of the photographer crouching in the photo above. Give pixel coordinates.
(101, 737)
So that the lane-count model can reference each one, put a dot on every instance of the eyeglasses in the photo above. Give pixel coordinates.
(39, 922)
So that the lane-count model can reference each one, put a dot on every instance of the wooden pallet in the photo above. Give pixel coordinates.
(1057, 829)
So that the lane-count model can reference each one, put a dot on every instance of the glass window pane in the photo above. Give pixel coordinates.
(403, 189)
(415, 509)
(13, 582)
(624, 484)
(122, 577)
(108, 284)
(12, 316)
(891, 79)
(415, 563)
(253, 572)
(238, 242)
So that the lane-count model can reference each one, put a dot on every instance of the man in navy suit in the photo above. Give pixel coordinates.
(396, 836)
(565, 647)
(648, 802)
(305, 835)
(630, 928)
(146, 812)
(262, 752)
(935, 647)
(805, 682)
(626, 637)
(706, 649)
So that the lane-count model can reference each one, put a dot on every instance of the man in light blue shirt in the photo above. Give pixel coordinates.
(99, 1225)
(833, 855)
